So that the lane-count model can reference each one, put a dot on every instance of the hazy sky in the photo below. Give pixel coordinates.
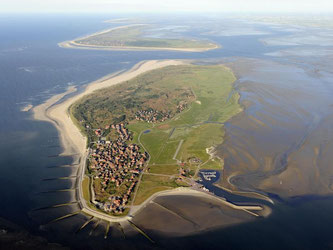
(166, 5)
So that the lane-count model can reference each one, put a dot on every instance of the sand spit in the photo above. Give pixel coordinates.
(100, 33)
(72, 44)
(27, 108)
(42, 113)
(75, 45)
(71, 138)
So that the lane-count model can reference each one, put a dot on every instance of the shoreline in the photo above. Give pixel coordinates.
(73, 142)
(192, 192)
(72, 44)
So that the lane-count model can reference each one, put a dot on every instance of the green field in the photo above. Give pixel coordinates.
(164, 169)
(152, 184)
(201, 126)
(183, 139)
(86, 189)
(136, 36)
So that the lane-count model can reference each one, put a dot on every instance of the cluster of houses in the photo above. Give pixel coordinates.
(98, 132)
(184, 172)
(181, 106)
(152, 115)
(117, 165)
(123, 132)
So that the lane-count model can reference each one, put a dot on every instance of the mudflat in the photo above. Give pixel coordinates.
(281, 142)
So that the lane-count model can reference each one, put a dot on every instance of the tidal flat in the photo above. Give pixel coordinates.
(280, 144)
(180, 215)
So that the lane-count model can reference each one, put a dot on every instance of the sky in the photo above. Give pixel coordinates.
(114, 6)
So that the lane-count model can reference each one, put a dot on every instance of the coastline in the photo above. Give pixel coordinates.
(72, 44)
(74, 142)
(192, 192)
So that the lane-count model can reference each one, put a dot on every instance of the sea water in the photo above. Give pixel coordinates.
(33, 68)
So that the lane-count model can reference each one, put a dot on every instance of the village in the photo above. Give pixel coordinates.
(116, 165)
(151, 115)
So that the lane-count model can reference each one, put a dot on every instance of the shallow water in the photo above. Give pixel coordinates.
(274, 143)
(286, 125)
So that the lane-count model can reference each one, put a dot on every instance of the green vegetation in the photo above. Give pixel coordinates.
(87, 197)
(213, 164)
(164, 169)
(86, 188)
(86, 192)
(198, 139)
(136, 36)
(179, 142)
(121, 103)
(152, 184)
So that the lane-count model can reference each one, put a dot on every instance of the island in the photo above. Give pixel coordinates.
(153, 133)
(144, 148)
(137, 37)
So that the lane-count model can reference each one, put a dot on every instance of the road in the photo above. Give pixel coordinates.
(140, 177)
(83, 204)
(178, 148)
(195, 187)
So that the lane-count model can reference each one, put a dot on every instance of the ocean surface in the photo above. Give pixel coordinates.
(33, 68)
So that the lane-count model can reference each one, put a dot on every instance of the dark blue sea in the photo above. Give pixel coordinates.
(33, 68)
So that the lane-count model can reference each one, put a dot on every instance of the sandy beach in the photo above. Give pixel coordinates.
(72, 140)
(62, 44)
(26, 108)
(72, 44)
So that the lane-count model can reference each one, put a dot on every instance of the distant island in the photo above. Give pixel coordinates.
(135, 37)
(153, 133)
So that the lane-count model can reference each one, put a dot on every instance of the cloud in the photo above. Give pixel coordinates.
(167, 5)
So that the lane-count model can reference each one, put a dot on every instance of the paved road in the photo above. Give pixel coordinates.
(83, 204)
(178, 148)
(79, 193)
(140, 177)
(86, 209)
